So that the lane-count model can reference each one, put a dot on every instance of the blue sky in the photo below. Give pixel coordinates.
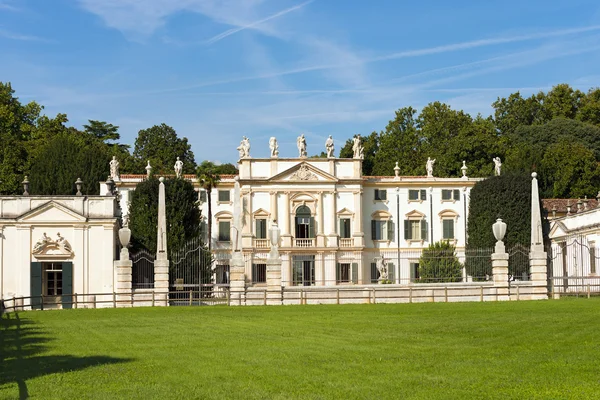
(217, 70)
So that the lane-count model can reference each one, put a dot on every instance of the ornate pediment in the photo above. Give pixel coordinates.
(46, 247)
(303, 172)
(51, 212)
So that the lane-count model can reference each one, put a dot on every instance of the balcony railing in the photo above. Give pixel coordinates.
(304, 242)
(261, 243)
(346, 242)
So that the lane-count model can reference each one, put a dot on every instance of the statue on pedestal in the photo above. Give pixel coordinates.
(329, 146)
(301, 143)
(244, 147)
(497, 165)
(178, 167)
(429, 167)
(358, 148)
(114, 168)
(274, 147)
(382, 268)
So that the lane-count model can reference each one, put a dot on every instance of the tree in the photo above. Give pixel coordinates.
(438, 263)
(161, 146)
(226, 169)
(400, 142)
(507, 197)
(63, 159)
(102, 131)
(209, 179)
(183, 214)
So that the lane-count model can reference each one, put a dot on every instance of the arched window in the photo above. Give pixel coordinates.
(305, 223)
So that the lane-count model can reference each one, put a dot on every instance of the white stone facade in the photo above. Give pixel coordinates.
(311, 198)
(57, 246)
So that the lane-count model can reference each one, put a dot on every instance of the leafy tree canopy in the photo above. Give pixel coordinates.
(183, 214)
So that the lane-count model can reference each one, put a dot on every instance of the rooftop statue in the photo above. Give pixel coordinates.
(301, 143)
(329, 146)
(429, 167)
(274, 147)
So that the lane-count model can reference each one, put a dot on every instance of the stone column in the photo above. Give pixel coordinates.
(538, 259)
(123, 268)
(247, 228)
(320, 221)
(237, 279)
(274, 289)
(286, 234)
(359, 235)
(161, 263)
(333, 236)
(500, 262)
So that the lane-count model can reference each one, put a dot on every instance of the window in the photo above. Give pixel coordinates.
(259, 273)
(222, 274)
(417, 195)
(203, 230)
(415, 229)
(380, 194)
(345, 228)
(224, 196)
(374, 273)
(347, 272)
(53, 279)
(305, 223)
(448, 229)
(382, 230)
(448, 194)
(592, 246)
(224, 231)
(303, 270)
(202, 196)
(414, 271)
(261, 228)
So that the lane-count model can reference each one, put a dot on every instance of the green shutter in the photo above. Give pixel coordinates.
(407, 230)
(311, 227)
(456, 194)
(423, 229)
(374, 273)
(297, 273)
(355, 272)
(391, 272)
(67, 284)
(203, 196)
(390, 230)
(337, 273)
(36, 285)
(451, 229)
(383, 195)
(342, 228)
(373, 229)
(423, 194)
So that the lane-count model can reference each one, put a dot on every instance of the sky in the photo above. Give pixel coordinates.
(219, 70)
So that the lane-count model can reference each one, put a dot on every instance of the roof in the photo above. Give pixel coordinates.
(561, 204)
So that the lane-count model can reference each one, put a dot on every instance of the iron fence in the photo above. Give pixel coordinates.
(142, 271)
(572, 267)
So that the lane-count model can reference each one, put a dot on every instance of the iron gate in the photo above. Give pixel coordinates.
(191, 274)
(572, 267)
(142, 271)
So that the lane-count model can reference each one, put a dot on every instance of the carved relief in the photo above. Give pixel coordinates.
(304, 174)
(47, 246)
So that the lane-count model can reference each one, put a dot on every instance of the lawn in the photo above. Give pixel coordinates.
(503, 350)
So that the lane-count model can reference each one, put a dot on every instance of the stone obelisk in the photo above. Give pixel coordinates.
(237, 276)
(537, 256)
(161, 264)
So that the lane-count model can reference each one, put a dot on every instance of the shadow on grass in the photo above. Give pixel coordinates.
(21, 346)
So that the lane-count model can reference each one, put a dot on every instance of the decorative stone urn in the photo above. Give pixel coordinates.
(499, 229)
(124, 237)
(274, 236)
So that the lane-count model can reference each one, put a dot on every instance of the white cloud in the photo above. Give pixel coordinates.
(26, 38)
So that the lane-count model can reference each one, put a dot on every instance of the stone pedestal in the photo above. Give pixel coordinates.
(538, 270)
(332, 241)
(321, 240)
(359, 239)
(274, 289)
(237, 279)
(161, 282)
(500, 275)
(286, 240)
(123, 288)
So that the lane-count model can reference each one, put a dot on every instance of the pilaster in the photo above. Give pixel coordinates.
(274, 289)
(359, 236)
(500, 275)
(237, 279)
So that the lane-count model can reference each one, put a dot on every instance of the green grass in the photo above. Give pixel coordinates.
(503, 350)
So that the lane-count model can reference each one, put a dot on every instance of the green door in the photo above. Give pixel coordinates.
(36, 285)
(67, 284)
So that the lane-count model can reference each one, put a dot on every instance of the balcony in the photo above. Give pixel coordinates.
(304, 242)
(261, 243)
(346, 242)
